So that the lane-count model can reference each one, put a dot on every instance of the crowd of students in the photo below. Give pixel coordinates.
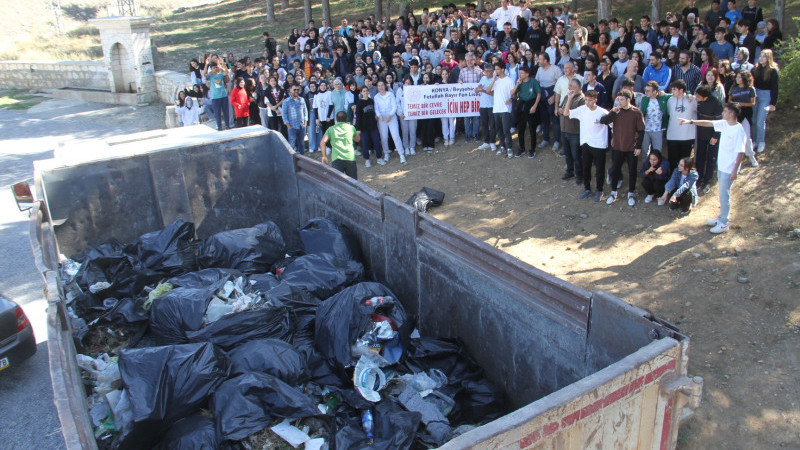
(625, 87)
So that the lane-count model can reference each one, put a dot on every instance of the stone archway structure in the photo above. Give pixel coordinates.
(129, 56)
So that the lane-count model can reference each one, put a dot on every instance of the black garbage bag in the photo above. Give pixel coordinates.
(250, 250)
(234, 329)
(120, 273)
(478, 402)
(426, 199)
(170, 382)
(321, 275)
(261, 282)
(178, 312)
(394, 428)
(191, 433)
(110, 248)
(345, 317)
(323, 236)
(272, 356)
(170, 250)
(204, 278)
(127, 310)
(248, 403)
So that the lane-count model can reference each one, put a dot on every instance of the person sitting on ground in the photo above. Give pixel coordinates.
(655, 176)
(682, 186)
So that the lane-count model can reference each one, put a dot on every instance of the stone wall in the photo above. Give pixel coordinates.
(54, 75)
(168, 83)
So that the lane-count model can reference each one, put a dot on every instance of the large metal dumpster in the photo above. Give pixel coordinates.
(582, 369)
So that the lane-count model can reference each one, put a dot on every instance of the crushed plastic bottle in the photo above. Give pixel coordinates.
(368, 424)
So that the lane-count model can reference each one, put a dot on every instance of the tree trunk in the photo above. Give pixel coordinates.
(573, 7)
(378, 9)
(270, 11)
(326, 12)
(307, 11)
(388, 11)
(480, 5)
(405, 7)
(655, 12)
(284, 4)
(780, 11)
(603, 9)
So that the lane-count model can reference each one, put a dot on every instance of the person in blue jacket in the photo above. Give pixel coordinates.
(682, 186)
(657, 71)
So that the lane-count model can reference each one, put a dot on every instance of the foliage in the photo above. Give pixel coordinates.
(789, 54)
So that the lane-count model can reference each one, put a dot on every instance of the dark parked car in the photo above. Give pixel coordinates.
(17, 342)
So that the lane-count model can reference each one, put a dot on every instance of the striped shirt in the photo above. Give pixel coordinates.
(295, 112)
(470, 76)
(692, 77)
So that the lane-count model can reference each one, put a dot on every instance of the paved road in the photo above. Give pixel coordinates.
(28, 418)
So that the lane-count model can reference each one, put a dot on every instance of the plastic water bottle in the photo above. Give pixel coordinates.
(366, 422)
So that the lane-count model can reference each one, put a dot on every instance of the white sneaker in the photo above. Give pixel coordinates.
(501, 150)
(510, 153)
(446, 142)
(543, 144)
(712, 222)
(513, 130)
(760, 147)
(492, 147)
(367, 163)
(608, 178)
(483, 146)
(556, 146)
(661, 202)
(648, 199)
(419, 141)
(719, 228)
(538, 128)
(612, 197)
(412, 152)
(402, 159)
(631, 199)
(385, 159)
(753, 162)
(310, 151)
(381, 162)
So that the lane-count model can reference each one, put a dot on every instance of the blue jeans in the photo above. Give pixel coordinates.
(725, 183)
(314, 132)
(572, 153)
(471, 126)
(221, 107)
(760, 115)
(502, 124)
(296, 136)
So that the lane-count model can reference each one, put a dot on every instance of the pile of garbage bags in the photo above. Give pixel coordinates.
(188, 343)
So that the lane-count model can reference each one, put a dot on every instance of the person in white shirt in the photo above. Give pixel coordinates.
(188, 113)
(593, 140)
(501, 107)
(621, 65)
(507, 13)
(386, 112)
(642, 44)
(487, 103)
(409, 127)
(732, 141)
(680, 139)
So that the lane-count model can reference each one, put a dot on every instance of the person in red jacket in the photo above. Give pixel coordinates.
(241, 103)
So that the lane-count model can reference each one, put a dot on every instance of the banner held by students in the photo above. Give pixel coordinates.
(443, 100)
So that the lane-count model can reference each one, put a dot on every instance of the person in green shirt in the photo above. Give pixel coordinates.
(529, 94)
(343, 153)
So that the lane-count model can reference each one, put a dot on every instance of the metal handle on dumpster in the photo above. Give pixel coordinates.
(691, 388)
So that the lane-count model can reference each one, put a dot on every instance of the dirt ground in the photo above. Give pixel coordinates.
(736, 294)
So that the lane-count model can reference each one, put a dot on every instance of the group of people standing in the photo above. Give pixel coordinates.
(606, 88)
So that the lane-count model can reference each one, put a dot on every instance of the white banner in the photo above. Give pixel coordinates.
(442, 100)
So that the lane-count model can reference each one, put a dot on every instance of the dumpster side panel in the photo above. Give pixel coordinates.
(604, 410)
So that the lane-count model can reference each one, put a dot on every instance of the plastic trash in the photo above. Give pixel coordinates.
(271, 356)
(216, 309)
(367, 424)
(249, 250)
(425, 383)
(159, 291)
(345, 317)
(436, 424)
(191, 433)
(203, 278)
(291, 434)
(103, 370)
(235, 329)
(315, 444)
(324, 236)
(262, 282)
(368, 379)
(248, 403)
(425, 199)
(167, 383)
(394, 428)
(170, 251)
